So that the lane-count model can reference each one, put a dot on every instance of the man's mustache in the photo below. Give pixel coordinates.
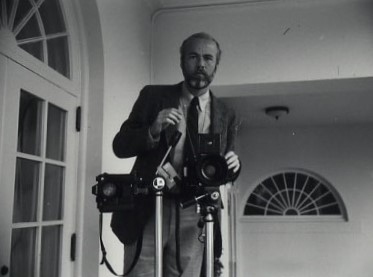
(201, 72)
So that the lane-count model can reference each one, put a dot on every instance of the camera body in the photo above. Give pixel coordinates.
(117, 192)
(209, 168)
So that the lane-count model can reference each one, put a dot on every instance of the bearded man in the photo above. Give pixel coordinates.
(157, 114)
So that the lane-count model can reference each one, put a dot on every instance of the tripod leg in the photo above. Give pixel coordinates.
(158, 234)
(209, 221)
(158, 185)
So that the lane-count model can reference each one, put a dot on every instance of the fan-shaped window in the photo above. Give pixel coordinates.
(294, 193)
(39, 28)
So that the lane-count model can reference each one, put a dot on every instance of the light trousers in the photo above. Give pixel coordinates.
(191, 249)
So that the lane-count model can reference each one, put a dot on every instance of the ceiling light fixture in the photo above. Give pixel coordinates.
(276, 111)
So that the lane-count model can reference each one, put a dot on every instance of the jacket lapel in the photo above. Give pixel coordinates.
(217, 116)
(219, 122)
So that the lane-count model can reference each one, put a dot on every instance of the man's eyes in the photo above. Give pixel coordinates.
(206, 58)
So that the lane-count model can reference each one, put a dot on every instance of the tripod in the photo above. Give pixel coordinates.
(159, 184)
(208, 206)
(209, 239)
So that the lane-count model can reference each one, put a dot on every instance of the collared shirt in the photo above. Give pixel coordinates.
(204, 122)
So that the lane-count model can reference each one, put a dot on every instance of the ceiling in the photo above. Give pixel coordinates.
(345, 101)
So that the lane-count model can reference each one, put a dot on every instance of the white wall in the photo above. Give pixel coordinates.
(273, 41)
(341, 154)
(126, 35)
(126, 26)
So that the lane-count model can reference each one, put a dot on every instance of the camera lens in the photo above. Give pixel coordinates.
(211, 170)
(109, 190)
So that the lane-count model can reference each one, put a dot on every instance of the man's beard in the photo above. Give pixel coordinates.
(199, 80)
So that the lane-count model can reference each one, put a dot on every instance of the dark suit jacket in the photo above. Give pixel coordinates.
(133, 140)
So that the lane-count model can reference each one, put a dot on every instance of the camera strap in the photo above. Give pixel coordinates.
(177, 237)
(103, 250)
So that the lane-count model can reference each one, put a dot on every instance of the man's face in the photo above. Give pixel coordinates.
(199, 63)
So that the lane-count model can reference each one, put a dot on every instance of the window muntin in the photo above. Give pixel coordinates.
(294, 193)
(39, 29)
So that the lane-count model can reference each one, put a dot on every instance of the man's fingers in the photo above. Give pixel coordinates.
(230, 155)
(169, 116)
(235, 166)
(175, 115)
(232, 161)
(172, 113)
(177, 111)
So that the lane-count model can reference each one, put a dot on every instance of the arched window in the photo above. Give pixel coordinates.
(39, 28)
(295, 193)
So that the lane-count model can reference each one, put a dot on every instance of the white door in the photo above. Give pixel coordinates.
(38, 175)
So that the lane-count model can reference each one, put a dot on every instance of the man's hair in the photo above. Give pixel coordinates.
(200, 35)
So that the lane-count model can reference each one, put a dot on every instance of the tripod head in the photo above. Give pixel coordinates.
(208, 201)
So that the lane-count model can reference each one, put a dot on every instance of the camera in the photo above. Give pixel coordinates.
(117, 192)
(209, 168)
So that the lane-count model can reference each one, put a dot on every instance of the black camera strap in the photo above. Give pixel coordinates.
(177, 237)
(106, 262)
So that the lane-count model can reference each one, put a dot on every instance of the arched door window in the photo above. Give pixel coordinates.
(294, 193)
(39, 28)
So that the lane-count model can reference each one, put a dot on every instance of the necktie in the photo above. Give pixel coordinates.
(191, 143)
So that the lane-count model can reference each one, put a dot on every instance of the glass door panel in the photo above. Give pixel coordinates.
(30, 189)
(50, 251)
(23, 252)
(56, 133)
(29, 124)
(26, 191)
(53, 192)
(39, 168)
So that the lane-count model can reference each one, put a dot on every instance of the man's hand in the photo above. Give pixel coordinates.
(164, 119)
(232, 161)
